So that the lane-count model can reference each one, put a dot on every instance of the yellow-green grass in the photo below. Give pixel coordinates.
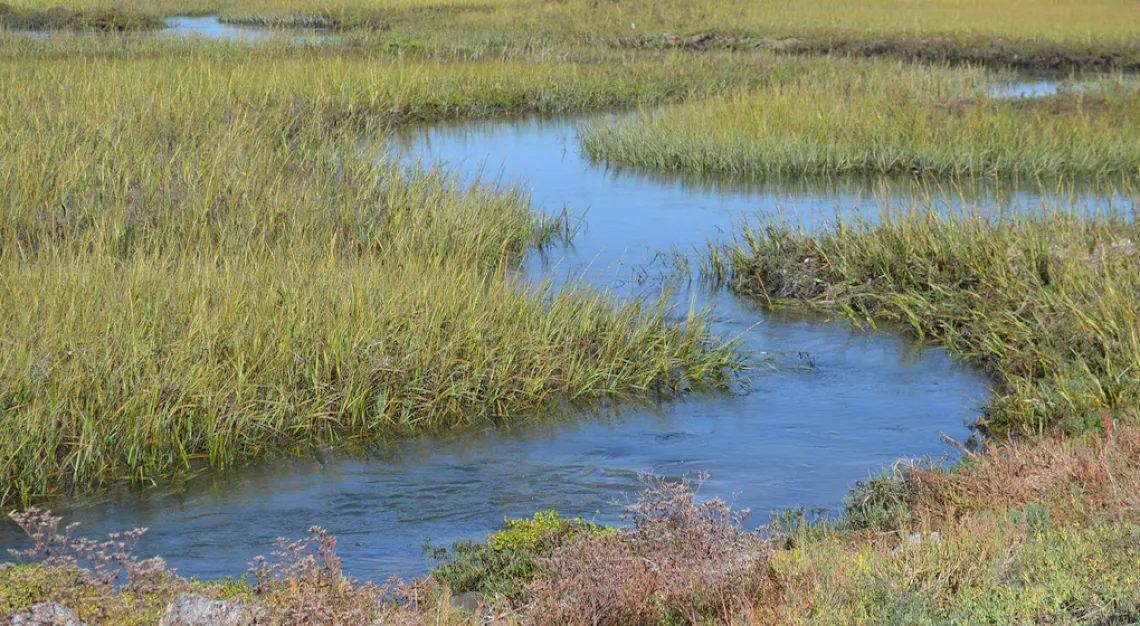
(898, 119)
(117, 142)
(1043, 300)
(999, 570)
(59, 19)
(206, 257)
(1084, 20)
(1026, 33)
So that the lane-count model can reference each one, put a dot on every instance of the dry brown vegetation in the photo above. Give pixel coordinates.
(1033, 531)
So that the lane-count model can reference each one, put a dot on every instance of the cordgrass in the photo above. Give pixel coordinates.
(60, 19)
(900, 119)
(1010, 18)
(1043, 300)
(208, 257)
(1029, 34)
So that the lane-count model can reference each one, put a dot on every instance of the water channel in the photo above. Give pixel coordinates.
(837, 406)
(843, 404)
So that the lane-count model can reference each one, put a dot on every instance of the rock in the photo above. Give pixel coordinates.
(699, 41)
(916, 539)
(474, 603)
(469, 601)
(776, 44)
(190, 609)
(46, 614)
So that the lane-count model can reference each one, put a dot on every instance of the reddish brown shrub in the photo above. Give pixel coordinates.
(307, 586)
(679, 561)
(1092, 477)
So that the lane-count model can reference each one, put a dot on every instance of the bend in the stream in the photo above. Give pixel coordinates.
(841, 405)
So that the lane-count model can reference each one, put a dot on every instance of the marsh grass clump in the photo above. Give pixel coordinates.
(1041, 300)
(900, 121)
(110, 20)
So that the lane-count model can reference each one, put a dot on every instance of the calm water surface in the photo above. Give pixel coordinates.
(209, 27)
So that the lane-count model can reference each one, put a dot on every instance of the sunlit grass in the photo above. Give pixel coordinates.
(207, 257)
(1083, 21)
(1037, 34)
(1043, 301)
(897, 120)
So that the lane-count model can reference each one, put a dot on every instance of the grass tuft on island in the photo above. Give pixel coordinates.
(901, 119)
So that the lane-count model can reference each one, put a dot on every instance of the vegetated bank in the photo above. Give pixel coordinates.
(1031, 532)
(1042, 300)
(895, 120)
(61, 19)
(207, 237)
(1023, 34)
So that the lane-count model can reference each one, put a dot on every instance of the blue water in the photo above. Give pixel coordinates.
(210, 28)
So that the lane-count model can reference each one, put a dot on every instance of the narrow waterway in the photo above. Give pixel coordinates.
(838, 405)
(835, 406)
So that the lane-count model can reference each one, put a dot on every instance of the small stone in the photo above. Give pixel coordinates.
(190, 609)
(474, 603)
(46, 614)
(776, 44)
(916, 539)
(469, 601)
(699, 41)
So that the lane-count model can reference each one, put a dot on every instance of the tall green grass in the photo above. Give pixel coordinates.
(1044, 301)
(897, 120)
(208, 257)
